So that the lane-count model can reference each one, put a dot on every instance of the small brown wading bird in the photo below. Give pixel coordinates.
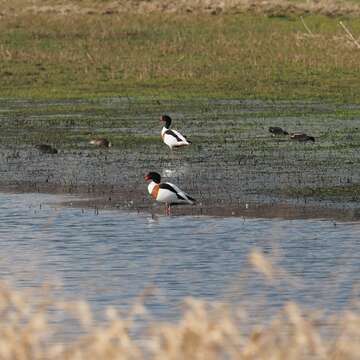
(101, 142)
(301, 137)
(275, 130)
(46, 149)
(172, 138)
(166, 192)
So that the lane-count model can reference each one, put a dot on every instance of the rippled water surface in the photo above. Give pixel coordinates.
(111, 257)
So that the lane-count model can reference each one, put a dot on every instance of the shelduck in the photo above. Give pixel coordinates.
(166, 192)
(172, 138)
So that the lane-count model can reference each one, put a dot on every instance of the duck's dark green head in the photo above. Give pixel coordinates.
(154, 176)
(167, 120)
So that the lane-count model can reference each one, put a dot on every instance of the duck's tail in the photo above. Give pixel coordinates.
(191, 199)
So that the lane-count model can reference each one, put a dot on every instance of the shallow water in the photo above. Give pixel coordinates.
(111, 257)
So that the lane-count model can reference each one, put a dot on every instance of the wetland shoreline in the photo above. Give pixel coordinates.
(233, 160)
(110, 198)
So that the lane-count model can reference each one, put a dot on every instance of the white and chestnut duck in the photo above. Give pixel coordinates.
(166, 192)
(172, 138)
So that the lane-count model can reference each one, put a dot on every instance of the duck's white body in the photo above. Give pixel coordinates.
(169, 193)
(173, 138)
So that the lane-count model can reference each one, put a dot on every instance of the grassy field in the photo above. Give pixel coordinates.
(64, 51)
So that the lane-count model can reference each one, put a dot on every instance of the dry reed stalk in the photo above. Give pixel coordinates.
(261, 264)
(305, 26)
(349, 34)
(205, 330)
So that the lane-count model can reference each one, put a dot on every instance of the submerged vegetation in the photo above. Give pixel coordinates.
(96, 49)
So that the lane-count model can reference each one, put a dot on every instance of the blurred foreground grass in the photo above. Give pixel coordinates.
(204, 331)
(48, 53)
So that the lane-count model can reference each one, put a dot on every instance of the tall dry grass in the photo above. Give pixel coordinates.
(29, 329)
(215, 7)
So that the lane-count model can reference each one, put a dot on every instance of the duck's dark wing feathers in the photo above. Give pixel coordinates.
(170, 132)
(170, 188)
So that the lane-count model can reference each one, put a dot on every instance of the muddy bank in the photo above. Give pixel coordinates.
(101, 198)
(233, 160)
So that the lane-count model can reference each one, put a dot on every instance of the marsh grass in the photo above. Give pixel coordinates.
(176, 55)
(30, 329)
